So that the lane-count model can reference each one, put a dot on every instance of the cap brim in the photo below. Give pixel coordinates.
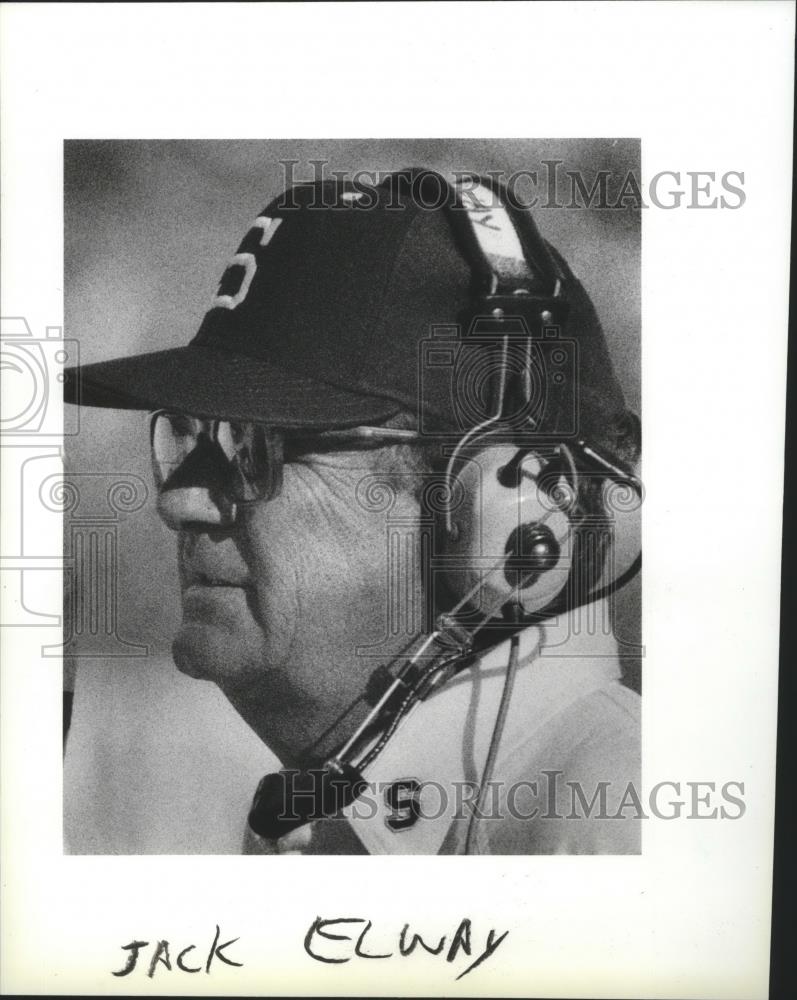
(208, 383)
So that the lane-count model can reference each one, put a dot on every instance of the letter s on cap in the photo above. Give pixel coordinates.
(237, 277)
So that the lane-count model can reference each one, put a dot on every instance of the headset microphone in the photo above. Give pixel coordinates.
(532, 549)
(287, 799)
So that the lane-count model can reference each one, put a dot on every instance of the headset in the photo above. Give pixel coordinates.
(512, 516)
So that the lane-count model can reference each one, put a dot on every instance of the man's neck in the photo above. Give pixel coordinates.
(305, 734)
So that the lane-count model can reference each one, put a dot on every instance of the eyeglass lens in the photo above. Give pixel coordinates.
(253, 453)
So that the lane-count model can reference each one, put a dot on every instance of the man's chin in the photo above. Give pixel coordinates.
(208, 652)
(218, 639)
(191, 660)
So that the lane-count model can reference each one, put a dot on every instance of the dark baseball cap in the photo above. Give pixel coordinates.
(321, 317)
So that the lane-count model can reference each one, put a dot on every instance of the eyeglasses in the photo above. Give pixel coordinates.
(255, 454)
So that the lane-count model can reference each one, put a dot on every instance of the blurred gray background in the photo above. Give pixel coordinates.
(149, 225)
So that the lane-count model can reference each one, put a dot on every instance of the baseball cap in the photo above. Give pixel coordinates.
(320, 318)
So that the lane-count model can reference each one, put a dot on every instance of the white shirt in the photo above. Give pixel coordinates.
(571, 739)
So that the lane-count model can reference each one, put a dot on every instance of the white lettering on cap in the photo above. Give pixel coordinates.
(248, 262)
(269, 227)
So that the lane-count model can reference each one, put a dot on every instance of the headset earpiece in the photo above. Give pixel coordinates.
(511, 514)
(511, 529)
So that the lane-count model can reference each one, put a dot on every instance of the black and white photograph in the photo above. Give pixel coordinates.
(415, 494)
(386, 604)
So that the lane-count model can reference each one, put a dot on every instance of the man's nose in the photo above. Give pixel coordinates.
(196, 492)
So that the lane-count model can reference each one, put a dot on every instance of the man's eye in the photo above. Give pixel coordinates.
(182, 425)
(239, 432)
(233, 437)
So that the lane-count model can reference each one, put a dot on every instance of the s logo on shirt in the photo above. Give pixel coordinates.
(403, 798)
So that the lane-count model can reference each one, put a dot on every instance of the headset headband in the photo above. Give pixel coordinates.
(511, 264)
(517, 289)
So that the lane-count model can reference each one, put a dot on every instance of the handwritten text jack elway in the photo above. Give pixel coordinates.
(323, 944)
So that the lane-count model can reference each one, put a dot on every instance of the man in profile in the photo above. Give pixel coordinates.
(334, 492)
